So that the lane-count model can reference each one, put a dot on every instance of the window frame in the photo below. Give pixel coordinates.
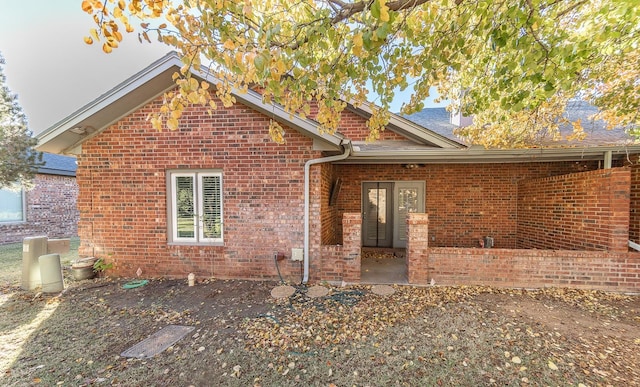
(23, 201)
(197, 176)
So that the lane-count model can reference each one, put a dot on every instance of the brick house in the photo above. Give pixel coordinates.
(218, 198)
(48, 209)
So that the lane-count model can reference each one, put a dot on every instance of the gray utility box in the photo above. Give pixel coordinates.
(32, 249)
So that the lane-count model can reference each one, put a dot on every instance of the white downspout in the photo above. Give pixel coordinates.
(307, 167)
(607, 159)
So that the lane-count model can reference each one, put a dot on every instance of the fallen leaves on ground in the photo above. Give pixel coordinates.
(417, 336)
(344, 315)
(354, 313)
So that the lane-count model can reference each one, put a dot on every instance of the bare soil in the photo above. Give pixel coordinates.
(243, 337)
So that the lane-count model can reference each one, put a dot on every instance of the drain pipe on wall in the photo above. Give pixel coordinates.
(307, 167)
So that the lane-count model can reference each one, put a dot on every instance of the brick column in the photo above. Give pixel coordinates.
(620, 209)
(351, 240)
(418, 248)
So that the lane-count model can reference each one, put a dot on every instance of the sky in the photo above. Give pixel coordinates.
(50, 68)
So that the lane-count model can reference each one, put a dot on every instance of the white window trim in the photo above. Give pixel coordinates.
(172, 213)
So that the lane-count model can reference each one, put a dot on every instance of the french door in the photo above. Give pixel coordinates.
(385, 206)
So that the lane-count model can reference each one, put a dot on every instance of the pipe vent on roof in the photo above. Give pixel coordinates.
(460, 120)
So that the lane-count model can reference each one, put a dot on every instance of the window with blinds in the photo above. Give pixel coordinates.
(196, 207)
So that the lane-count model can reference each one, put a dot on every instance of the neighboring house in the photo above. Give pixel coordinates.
(48, 209)
(218, 198)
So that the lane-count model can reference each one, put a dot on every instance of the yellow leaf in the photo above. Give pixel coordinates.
(357, 44)
(384, 11)
(172, 123)
(128, 27)
(552, 365)
(247, 10)
(88, 40)
(193, 97)
(516, 360)
(106, 48)
(86, 6)
(94, 34)
(229, 45)
(193, 84)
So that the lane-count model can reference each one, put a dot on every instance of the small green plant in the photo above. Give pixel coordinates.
(100, 265)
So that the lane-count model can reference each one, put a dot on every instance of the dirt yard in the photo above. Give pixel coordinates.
(417, 336)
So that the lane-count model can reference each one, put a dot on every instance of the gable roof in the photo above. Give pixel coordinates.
(67, 135)
(429, 138)
(438, 120)
(58, 165)
(411, 129)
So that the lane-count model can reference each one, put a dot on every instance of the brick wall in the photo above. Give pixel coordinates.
(581, 211)
(613, 271)
(51, 210)
(328, 211)
(341, 262)
(417, 248)
(535, 268)
(354, 127)
(464, 201)
(122, 198)
(634, 204)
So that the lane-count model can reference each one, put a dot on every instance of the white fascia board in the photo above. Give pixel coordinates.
(481, 155)
(251, 98)
(130, 84)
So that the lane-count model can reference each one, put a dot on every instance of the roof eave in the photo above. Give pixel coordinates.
(409, 129)
(481, 155)
(49, 139)
(304, 126)
(60, 138)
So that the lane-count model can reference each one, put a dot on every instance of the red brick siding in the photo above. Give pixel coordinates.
(535, 268)
(464, 201)
(122, 175)
(51, 210)
(342, 262)
(328, 212)
(354, 126)
(634, 216)
(582, 211)
(418, 248)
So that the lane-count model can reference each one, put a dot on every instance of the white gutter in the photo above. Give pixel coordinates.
(307, 167)
(481, 155)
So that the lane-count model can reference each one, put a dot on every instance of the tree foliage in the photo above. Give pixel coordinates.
(18, 160)
(513, 64)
